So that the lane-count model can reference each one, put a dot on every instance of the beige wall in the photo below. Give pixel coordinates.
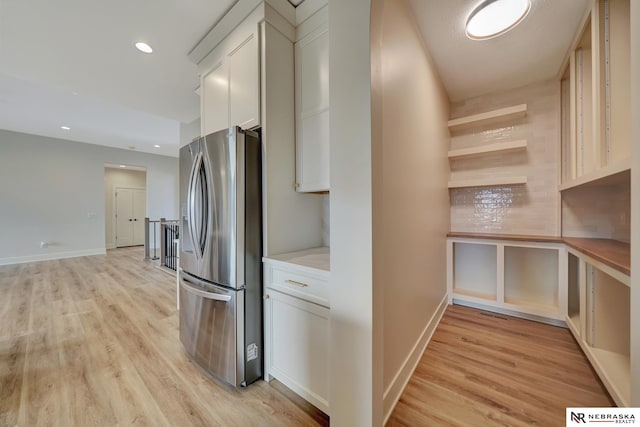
(411, 214)
(122, 178)
(53, 191)
(521, 209)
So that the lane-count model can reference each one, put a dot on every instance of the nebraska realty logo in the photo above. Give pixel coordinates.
(578, 416)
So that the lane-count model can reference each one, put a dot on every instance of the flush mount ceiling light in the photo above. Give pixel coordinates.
(143, 47)
(156, 145)
(495, 17)
(65, 128)
(122, 166)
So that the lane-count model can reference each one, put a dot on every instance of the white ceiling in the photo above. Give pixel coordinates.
(533, 51)
(50, 50)
(72, 62)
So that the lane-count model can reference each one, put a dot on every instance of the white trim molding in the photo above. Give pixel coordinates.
(401, 379)
(52, 255)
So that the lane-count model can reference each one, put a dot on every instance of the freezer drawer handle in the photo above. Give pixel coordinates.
(293, 282)
(209, 295)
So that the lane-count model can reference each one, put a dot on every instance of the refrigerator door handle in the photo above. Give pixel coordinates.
(185, 283)
(197, 205)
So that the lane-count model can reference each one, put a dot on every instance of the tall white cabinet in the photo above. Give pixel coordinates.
(312, 105)
(251, 64)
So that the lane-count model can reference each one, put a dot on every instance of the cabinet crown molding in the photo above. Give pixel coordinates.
(281, 12)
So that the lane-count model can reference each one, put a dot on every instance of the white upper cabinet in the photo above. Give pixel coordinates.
(244, 87)
(312, 111)
(230, 81)
(215, 99)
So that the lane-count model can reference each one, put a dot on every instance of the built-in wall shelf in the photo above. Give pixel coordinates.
(612, 253)
(616, 173)
(489, 182)
(507, 274)
(498, 147)
(488, 118)
(506, 237)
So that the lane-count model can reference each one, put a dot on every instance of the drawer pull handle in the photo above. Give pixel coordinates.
(293, 282)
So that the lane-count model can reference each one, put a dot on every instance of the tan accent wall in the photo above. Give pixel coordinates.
(411, 209)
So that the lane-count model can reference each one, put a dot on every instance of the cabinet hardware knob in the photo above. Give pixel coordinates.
(265, 296)
(293, 282)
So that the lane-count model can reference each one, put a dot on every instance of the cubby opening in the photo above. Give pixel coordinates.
(475, 270)
(610, 313)
(531, 277)
(609, 331)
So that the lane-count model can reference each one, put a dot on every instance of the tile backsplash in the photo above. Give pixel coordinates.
(519, 209)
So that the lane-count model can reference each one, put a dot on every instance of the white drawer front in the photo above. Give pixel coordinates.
(301, 285)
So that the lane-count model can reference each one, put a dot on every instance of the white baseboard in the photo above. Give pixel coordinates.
(401, 379)
(111, 245)
(50, 256)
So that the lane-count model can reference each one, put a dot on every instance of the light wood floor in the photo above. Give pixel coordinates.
(94, 341)
(485, 369)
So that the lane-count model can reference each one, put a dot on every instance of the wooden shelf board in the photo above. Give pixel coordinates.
(616, 173)
(551, 316)
(537, 307)
(512, 237)
(613, 253)
(498, 147)
(489, 182)
(495, 116)
(473, 294)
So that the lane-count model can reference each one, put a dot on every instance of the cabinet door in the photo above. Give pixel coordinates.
(244, 84)
(312, 111)
(215, 99)
(297, 346)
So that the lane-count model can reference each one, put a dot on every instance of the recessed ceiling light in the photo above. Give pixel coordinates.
(492, 18)
(65, 128)
(156, 145)
(122, 166)
(143, 47)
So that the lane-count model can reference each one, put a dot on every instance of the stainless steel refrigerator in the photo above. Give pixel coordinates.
(220, 254)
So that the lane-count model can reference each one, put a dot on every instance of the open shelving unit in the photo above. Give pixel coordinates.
(596, 166)
(489, 118)
(508, 274)
(613, 174)
(486, 120)
(498, 147)
(598, 315)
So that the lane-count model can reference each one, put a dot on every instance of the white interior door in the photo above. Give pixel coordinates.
(131, 208)
(139, 213)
